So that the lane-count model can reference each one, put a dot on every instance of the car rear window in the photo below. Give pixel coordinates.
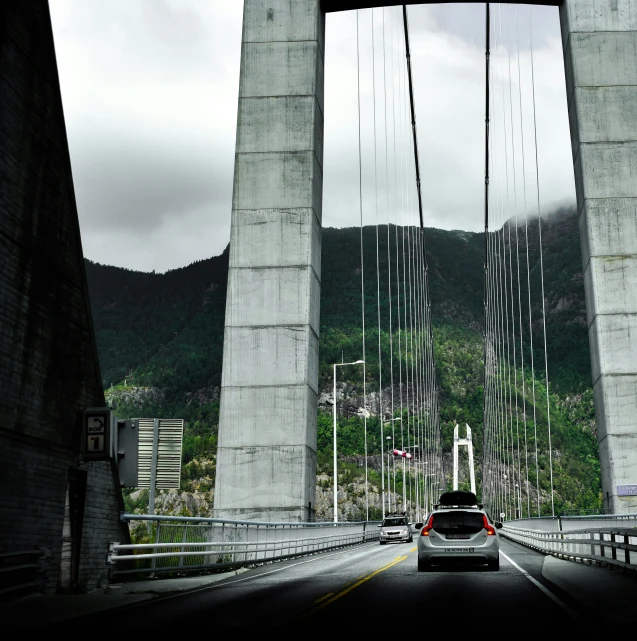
(394, 522)
(458, 521)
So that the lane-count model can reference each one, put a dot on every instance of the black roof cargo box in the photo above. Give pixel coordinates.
(458, 497)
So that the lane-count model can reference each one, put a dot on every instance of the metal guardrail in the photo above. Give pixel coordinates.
(189, 544)
(601, 545)
(570, 523)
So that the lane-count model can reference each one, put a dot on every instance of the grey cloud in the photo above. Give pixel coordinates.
(129, 184)
(467, 21)
(150, 98)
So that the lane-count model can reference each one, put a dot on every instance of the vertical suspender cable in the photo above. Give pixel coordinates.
(508, 399)
(539, 222)
(360, 201)
(380, 360)
(487, 53)
(528, 280)
(400, 358)
(413, 113)
(410, 237)
(515, 366)
(426, 367)
(526, 449)
(426, 385)
(389, 266)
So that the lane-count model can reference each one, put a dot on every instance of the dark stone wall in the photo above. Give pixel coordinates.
(49, 370)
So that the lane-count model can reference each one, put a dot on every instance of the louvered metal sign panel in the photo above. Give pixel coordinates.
(170, 435)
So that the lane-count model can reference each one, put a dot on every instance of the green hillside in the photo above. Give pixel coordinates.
(160, 340)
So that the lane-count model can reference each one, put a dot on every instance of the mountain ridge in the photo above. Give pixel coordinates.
(165, 332)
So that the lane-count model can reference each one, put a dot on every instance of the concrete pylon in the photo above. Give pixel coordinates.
(266, 461)
(469, 443)
(600, 61)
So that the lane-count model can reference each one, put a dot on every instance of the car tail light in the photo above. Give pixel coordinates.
(489, 528)
(428, 527)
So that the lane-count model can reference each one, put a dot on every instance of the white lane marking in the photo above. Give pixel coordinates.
(539, 585)
(221, 584)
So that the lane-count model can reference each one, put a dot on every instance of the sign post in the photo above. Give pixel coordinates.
(153, 467)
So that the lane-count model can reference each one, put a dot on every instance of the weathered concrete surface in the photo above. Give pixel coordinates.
(266, 461)
(600, 54)
(49, 370)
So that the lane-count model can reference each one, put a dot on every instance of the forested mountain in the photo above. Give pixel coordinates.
(160, 341)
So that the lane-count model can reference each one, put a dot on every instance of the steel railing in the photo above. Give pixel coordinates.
(187, 544)
(569, 523)
(614, 545)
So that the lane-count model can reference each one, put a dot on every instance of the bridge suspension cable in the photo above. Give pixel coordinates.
(506, 384)
(401, 375)
(360, 204)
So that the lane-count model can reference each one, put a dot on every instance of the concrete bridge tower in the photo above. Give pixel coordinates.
(600, 61)
(266, 464)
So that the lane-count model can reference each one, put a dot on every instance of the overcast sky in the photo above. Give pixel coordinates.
(150, 99)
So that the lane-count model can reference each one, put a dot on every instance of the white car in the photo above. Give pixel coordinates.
(395, 527)
(459, 531)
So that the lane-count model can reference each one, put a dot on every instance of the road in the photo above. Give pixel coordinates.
(364, 587)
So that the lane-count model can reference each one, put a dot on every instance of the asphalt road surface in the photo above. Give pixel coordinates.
(366, 587)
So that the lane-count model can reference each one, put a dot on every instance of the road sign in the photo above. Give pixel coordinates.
(97, 433)
(627, 490)
(95, 424)
(159, 461)
(96, 443)
(165, 448)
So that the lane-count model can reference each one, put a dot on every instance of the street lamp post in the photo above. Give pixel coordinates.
(334, 411)
(519, 499)
(388, 438)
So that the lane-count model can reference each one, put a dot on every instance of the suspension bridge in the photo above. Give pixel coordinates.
(266, 464)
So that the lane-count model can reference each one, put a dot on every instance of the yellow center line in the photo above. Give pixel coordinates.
(413, 549)
(325, 596)
(353, 580)
(333, 598)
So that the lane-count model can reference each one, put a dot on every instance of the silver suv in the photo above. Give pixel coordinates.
(459, 530)
(395, 527)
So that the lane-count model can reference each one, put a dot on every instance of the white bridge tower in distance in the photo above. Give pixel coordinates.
(469, 443)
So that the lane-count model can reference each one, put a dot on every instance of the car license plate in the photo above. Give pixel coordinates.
(460, 550)
(457, 536)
